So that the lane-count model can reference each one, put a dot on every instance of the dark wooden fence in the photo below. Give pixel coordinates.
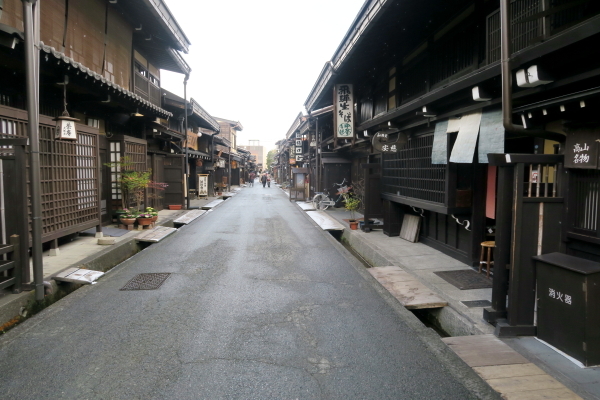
(69, 174)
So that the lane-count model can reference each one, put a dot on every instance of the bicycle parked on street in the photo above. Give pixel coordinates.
(322, 200)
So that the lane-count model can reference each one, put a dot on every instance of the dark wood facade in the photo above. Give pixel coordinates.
(419, 66)
(92, 58)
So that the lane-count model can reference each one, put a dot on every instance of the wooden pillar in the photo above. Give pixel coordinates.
(54, 250)
(504, 203)
(392, 218)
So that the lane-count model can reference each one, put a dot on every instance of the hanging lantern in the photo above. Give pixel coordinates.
(65, 125)
(65, 128)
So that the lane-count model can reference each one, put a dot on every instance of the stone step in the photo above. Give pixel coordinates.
(506, 371)
(212, 204)
(326, 222)
(188, 217)
(306, 205)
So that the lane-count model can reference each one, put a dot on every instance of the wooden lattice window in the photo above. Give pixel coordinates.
(454, 54)
(523, 33)
(409, 173)
(69, 179)
(585, 189)
(134, 151)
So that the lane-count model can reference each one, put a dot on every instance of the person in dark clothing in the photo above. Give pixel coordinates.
(269, 180)
(263, 179)
(251, 179)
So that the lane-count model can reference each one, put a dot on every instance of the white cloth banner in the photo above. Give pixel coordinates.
(439, 151)
(453, 125)
(491, 135)
(464, 147)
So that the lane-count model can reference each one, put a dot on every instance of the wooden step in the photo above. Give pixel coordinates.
(188, 217)
(407, 289)
(155, 235)
(326, 222)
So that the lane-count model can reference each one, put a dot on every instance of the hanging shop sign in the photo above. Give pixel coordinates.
(299, 157)
(581, 149)
(221, 163)
(298, 142)
(292, 161)
(382, 142)
(344, 111)
(65, 128)
(202, 185)
(192, 140)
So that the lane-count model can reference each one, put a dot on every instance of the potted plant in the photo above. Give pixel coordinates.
(127, 217)
(144, 219)
(352, 204)
(153, 212)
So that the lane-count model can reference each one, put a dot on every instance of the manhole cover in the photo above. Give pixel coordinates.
(146, 281)
(477, 303)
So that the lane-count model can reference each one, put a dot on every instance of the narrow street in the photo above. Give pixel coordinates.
(260, 304)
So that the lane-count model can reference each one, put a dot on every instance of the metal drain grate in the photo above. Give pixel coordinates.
(146, 281)
(477, 303)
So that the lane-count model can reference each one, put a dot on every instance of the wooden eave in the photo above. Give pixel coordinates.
(156, 20)
(110, 87)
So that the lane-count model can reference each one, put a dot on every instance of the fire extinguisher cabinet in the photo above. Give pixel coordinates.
(568, 312)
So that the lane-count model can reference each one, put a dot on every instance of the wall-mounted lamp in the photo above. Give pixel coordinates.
(532, 77)
(426, 112)
(479, 94)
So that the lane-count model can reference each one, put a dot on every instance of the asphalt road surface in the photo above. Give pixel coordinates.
(261, 304)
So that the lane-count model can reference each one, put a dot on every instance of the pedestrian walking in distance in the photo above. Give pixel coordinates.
(263, 179)
(269, 180)
(251, 179)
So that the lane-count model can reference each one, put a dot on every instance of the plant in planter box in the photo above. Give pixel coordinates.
(352, 204)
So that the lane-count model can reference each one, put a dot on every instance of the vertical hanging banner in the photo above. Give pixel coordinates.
(344, 111)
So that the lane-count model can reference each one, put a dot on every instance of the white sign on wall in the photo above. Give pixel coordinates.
(202, 185)
(344, 110)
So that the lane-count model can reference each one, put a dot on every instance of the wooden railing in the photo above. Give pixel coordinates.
(11, 266)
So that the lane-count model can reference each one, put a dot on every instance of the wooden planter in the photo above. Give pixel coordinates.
(174, 206)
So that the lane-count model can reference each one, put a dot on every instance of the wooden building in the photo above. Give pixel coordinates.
(476, 158)
(198, 141)
(99, 61)
(227, 160)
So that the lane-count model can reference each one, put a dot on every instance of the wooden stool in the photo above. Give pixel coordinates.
(486, 247)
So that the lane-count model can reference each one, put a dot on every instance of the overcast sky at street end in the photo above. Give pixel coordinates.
(256, 61)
